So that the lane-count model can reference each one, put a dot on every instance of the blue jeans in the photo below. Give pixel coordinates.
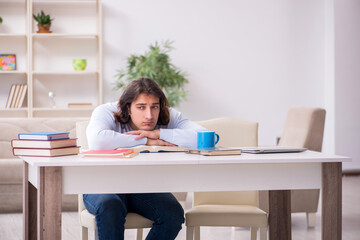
(110, 211)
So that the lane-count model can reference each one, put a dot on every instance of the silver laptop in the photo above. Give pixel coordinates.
(272, 149)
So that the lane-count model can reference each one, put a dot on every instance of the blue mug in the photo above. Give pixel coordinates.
(206, 139)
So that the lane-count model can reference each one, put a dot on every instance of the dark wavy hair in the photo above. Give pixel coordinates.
(132, 92)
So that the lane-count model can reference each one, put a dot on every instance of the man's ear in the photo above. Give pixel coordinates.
(128, 108)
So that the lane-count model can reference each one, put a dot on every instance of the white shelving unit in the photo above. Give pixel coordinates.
(47, 58)
(14, 34)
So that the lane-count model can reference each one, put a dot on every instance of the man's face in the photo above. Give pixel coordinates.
(144, 112)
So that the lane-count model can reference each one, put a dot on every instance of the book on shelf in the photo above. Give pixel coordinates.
(79, 105)
(59, 143)
(16, 93)
(147, 149)
(17, 100)
(22, 95)
(11, 95)
(216, 151)
(45, 152)
(43, 135)
(122, 153)
(16, 96)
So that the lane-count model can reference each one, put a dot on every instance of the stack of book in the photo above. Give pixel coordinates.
(44, 144)
(16, 96)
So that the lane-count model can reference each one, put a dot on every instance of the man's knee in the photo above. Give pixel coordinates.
(174, 216)
(111, 206)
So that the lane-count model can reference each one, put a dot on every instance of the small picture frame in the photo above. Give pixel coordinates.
(7, 62)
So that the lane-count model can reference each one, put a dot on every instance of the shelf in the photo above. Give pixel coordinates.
(14, 109)
(13, 35)
(65, 2)
(62, 112)
(58, 109)
(14, 112)
(8, 3)
(66, 73)
(64, 35)
(13, 72)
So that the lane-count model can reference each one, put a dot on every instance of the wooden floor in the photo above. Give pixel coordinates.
(11, 224)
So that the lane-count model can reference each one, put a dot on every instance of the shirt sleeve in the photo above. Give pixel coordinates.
(181, 131)
(102, 133)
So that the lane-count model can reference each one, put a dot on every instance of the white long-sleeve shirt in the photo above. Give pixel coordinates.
(103, 132)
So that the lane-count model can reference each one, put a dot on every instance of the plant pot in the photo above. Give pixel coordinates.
(79, 64)
(44, 28)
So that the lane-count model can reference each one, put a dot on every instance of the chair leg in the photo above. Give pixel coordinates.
(311, 219)
(197, 233)
(189, 233)
(139, 234)
(263, 233)
(95, 235)
(253, 233)
(84, 233)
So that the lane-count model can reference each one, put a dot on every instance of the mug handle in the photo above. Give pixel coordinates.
(217, 138)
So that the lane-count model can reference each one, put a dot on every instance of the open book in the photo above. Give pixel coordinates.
(216, 151)
(146, 149)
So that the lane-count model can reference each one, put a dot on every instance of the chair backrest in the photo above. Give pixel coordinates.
(81, 206)
(82, 142)
(81, 134)
(233, 133)
(304, 127)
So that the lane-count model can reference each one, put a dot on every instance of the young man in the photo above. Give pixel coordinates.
(142, 116)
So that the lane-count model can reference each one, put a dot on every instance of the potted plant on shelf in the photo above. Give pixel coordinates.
(155, 64)
(0, 20)
(44, 22)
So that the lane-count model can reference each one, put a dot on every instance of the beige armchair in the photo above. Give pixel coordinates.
(304, 127)
(86, 219)
(237, 209)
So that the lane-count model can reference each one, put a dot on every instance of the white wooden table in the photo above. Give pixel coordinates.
(45, 179)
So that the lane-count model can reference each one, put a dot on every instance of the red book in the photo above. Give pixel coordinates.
(110, 153)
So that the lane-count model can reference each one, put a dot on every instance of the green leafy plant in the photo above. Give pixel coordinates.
(42, 18)
(155, 64)
(1, 20)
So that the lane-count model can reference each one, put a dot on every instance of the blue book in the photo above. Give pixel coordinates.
(43, 135)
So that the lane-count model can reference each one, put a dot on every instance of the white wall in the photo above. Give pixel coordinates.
(347, 80)
(246, 59)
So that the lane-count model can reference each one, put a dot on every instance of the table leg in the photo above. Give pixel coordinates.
(29, 207)
(279, 215)
(50, 202)
(331, 201)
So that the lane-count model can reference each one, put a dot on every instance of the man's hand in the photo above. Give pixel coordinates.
(158, 142)
(154, 134)
(153, 137)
